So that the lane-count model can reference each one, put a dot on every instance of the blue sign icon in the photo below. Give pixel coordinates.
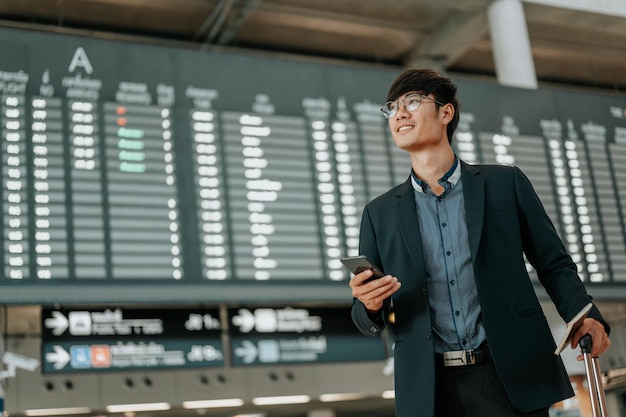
(80, 357)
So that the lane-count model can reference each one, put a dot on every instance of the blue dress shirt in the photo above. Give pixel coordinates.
(452, 295)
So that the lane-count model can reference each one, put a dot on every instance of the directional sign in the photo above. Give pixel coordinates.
(117, 355)
(298, 335)
(130, 339)
(57, 324)
(59, 357)
(291, 320)
(125, 322)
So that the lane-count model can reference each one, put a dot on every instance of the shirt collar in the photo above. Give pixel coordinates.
(448, 181)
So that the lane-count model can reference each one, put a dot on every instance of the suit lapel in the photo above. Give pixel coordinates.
(409, 226)
(474, 197)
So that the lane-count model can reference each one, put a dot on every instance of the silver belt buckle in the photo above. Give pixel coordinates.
(458, 358)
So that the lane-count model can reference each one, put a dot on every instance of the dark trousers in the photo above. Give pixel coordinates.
(474, 391)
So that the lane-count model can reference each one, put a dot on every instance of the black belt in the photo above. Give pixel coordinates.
(463, 357)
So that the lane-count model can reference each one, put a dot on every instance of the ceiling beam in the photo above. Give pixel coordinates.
(463, 5)
(607, 7)
(334, 18)
(458, 33)
(558, 50)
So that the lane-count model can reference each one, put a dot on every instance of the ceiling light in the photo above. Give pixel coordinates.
(389, 394)
(57, 411)
(326, 398)
(287, 399)
(124, 408)
(229, 402)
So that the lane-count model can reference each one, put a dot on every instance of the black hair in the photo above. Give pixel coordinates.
(426, 81)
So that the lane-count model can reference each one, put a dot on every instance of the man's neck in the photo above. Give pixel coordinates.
(431, 166)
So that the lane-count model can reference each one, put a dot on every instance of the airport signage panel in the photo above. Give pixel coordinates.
(87, 340)
(298, 335)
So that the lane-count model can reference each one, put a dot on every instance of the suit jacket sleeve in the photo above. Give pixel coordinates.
(546, 252)
(370, 325)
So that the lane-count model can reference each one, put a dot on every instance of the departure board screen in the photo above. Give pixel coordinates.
(133, 172)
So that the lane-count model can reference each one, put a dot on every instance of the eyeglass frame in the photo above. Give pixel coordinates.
(421, 96)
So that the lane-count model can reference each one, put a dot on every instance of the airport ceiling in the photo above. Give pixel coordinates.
(569, 46)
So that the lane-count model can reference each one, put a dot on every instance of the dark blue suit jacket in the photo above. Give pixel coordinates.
(504, 219)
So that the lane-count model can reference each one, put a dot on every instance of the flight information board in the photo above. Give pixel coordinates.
(134, 172)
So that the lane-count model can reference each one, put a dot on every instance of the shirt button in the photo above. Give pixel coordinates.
(452, 282)
(464, 342)
(444, 224)
(457, 313)
(448, 253)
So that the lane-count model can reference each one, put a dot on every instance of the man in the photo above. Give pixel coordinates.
(470, 335)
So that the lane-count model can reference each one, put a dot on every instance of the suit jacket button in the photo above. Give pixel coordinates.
(428, 335)
(424, 290)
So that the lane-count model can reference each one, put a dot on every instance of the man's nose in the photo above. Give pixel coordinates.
(402, 112)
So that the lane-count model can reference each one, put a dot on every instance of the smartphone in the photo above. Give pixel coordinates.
(358, 264)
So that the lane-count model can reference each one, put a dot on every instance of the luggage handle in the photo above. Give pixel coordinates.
(594, 378)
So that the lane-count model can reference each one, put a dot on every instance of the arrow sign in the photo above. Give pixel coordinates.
(58, 323)
(59, 357)
(245, 320)
(247, 350)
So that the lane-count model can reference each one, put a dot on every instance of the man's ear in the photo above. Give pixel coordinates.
(447, 112)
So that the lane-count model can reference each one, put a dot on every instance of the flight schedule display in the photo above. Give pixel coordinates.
(163, 174)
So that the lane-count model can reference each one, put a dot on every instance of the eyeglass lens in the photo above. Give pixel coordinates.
(411, 102)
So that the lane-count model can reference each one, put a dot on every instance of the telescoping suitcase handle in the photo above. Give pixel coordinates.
(594, 378)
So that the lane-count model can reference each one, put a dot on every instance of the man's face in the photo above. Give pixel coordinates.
(419, 128)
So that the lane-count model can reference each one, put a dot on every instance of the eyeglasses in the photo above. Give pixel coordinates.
(411, 102)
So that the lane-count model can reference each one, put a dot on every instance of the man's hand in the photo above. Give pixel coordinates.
(599, 339)
(373, 293)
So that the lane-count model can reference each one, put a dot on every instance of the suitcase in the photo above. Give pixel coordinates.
(594, 378)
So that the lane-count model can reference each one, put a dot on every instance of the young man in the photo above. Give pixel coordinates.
(470, 335)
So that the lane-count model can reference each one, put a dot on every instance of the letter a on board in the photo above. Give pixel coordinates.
(80, 60)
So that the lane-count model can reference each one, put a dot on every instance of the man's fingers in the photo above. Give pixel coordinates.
(600, 341)
(358, 279)
(374, 293)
